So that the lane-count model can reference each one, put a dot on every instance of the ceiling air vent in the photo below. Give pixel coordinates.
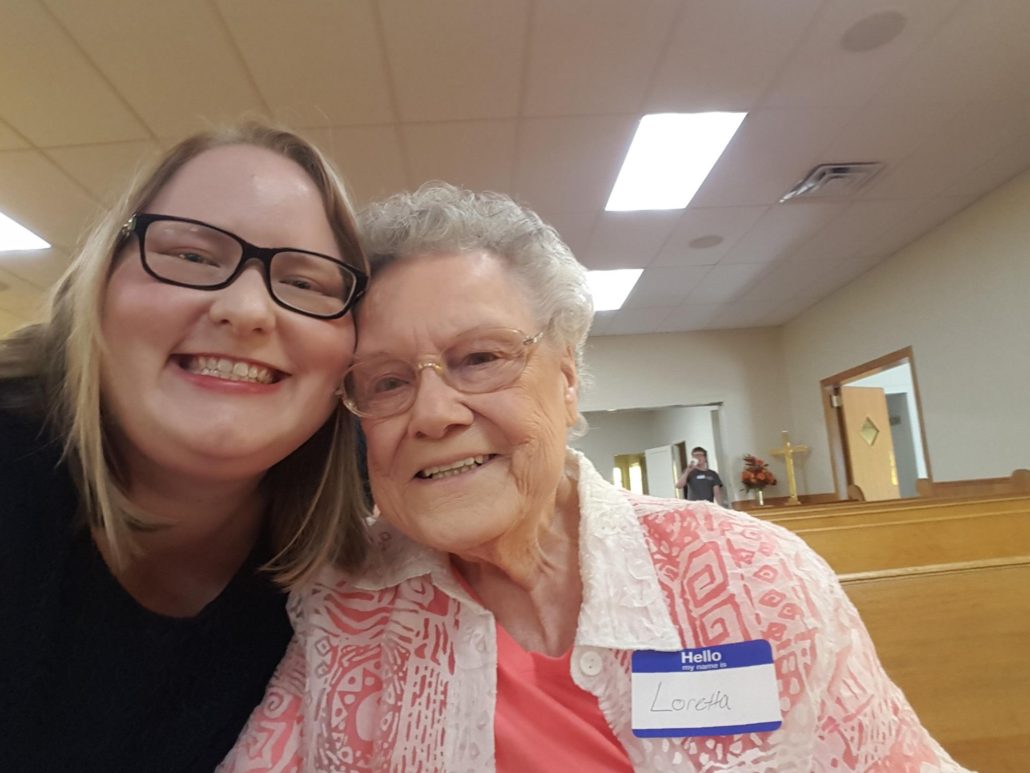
(833, 181)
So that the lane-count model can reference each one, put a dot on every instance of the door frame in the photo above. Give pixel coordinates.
(829, 388)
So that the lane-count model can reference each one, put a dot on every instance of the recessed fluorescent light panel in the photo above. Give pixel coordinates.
(610, 288)
(670, 156)
(16, 237)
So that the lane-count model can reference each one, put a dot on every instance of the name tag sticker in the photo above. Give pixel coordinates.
(724, 690)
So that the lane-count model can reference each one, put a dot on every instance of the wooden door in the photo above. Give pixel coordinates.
(870, 448)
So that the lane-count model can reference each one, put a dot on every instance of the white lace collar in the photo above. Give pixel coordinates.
(622, 608)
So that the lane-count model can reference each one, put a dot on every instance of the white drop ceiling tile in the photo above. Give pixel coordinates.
(848, 234)
(723, 53)
(772, 150)
(40, 268)
(729, 223)
(958, 148)
(637, 321)
(927, 216)
(723, 283)
(965, 60)
(984, 179)
(36, 193)
(593, 56)
(631, 239)
(107, 170)
(574, 226)
(369, 158)
(70, 102)
(737, 316)
(840, 274)
(316, 63)
(1009, 160)
(822, 72)
(835, 277)
(479, 155)
(782, 229)
(571, 163)
(690, 316)
(666, 286)
(173, 62)
(889, 132)
(455, 59)
(10, 139)
(781, 283)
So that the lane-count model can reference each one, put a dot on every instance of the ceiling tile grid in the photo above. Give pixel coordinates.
(540, 98)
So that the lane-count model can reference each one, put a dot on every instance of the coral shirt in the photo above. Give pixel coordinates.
(544, 721)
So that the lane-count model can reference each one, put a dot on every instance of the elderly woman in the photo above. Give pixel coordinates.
(511, 618)
(173, 453)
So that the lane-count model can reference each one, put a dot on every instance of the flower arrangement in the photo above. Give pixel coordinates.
(756, 474)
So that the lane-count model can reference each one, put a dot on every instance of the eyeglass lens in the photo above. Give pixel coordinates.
(198, 256)
(476, 362)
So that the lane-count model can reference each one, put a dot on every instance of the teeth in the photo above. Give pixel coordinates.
(450, 470)
(229, 370)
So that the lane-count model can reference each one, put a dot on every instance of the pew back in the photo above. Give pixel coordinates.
(1017, 483)
(880, 538)
(955, 639)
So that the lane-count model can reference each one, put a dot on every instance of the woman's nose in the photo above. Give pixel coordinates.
(438, 407)
(246, 304)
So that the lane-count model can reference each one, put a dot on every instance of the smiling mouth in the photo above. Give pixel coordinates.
(454, 468)
(229, 369)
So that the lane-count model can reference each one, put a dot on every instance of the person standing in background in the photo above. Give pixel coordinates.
(698, 481)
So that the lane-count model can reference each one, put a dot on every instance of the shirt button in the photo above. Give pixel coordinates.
(590, 663)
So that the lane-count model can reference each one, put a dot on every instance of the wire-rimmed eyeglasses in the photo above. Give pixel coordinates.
(477, 361)
(191, 253)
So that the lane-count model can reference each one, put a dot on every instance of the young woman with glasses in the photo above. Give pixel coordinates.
(513, 590)
(173, 455)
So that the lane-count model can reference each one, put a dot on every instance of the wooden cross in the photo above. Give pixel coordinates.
(788, 451)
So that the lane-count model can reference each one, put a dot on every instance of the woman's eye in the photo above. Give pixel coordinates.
(307, 285)
(474, 359)
(195, 257)
(300, 283)
(387, 384)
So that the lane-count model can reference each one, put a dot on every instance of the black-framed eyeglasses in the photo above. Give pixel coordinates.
(191, 253)
(477, 361)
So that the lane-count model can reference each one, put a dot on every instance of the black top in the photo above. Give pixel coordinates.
(701, 484)
(89, 679)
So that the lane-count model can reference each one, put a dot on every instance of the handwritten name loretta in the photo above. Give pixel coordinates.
(718, 700)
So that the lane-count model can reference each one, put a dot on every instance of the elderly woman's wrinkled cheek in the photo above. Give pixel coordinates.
(537, 462)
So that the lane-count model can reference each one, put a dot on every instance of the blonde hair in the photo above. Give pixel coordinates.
(317, 508)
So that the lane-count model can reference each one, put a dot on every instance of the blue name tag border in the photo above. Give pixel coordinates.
(748, 653)
(693, 732)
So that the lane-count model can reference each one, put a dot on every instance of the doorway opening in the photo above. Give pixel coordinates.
(875, 428)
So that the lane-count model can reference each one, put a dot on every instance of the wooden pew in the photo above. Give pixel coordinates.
(942, 532)
(1017, 483)
(955, 639)
(883, 508)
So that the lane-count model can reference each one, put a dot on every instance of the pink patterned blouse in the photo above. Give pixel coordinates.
(397, 669)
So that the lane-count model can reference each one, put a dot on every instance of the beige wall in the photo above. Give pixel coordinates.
(742, 369)
(960, 296)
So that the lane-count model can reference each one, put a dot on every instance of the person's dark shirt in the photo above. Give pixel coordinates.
(89, 679)
(701, 484)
